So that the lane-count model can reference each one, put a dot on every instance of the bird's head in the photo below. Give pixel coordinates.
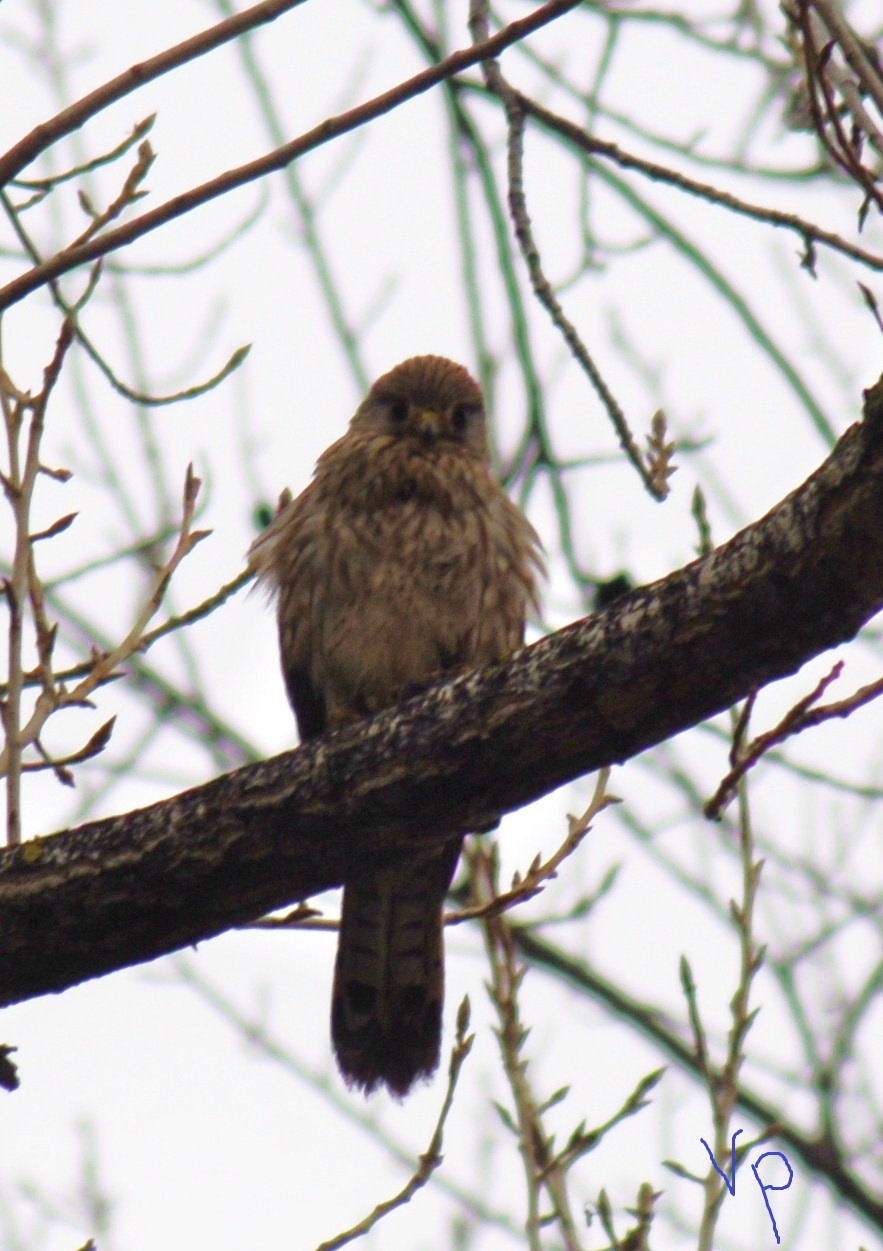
(429, 401)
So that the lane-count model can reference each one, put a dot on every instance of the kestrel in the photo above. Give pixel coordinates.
(401, 563)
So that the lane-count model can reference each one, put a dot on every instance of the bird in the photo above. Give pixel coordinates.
(402, 563)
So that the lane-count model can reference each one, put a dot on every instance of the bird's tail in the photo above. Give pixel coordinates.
(386, 1008)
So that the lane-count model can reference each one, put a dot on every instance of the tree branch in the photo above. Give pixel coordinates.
(19, 157)
(129, 888)
(74, 256)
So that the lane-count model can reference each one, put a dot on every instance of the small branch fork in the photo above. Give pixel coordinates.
(540, 873)
(42, 137)
(130, 192)
(801, 717)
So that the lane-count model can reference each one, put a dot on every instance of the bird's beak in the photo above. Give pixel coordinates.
(428, 425)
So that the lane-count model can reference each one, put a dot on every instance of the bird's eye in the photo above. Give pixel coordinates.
(396, 410)
(463, 416)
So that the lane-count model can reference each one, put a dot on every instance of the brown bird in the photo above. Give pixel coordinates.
(402, 562)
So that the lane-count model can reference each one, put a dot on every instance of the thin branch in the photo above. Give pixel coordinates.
(72, 312)
(799, 718)
(44, 185)
(868, 74)
(325, 132)
(72, 118)
(823, 77)
(178, 622)
(19, 489)
(104, 667)
(59, 764)
(540, 873)
(515, 118)
(808, 231)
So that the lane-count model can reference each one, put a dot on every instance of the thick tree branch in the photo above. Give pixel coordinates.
(126, 889)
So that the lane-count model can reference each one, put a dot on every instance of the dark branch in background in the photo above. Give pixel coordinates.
(868, 73)
(660, 659)
(331, 128)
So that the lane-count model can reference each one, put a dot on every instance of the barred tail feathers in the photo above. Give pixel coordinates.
(388, 997)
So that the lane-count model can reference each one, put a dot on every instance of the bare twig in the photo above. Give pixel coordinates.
(72, 311)
(543, 1171)
(868, 76)
(129, 193)
(820, 31)
(809, 232)
(42, 186)
(19, 488)
(178, 622)
(854, 50)
(539, 873)
(515, 117)
(723, 1087)
(104, 666)
(59, 764)
(799, 718)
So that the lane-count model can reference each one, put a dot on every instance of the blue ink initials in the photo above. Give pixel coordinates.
(764, 1187)
(718, 1169)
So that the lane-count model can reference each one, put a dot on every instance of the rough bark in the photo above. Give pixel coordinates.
(126, 889)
